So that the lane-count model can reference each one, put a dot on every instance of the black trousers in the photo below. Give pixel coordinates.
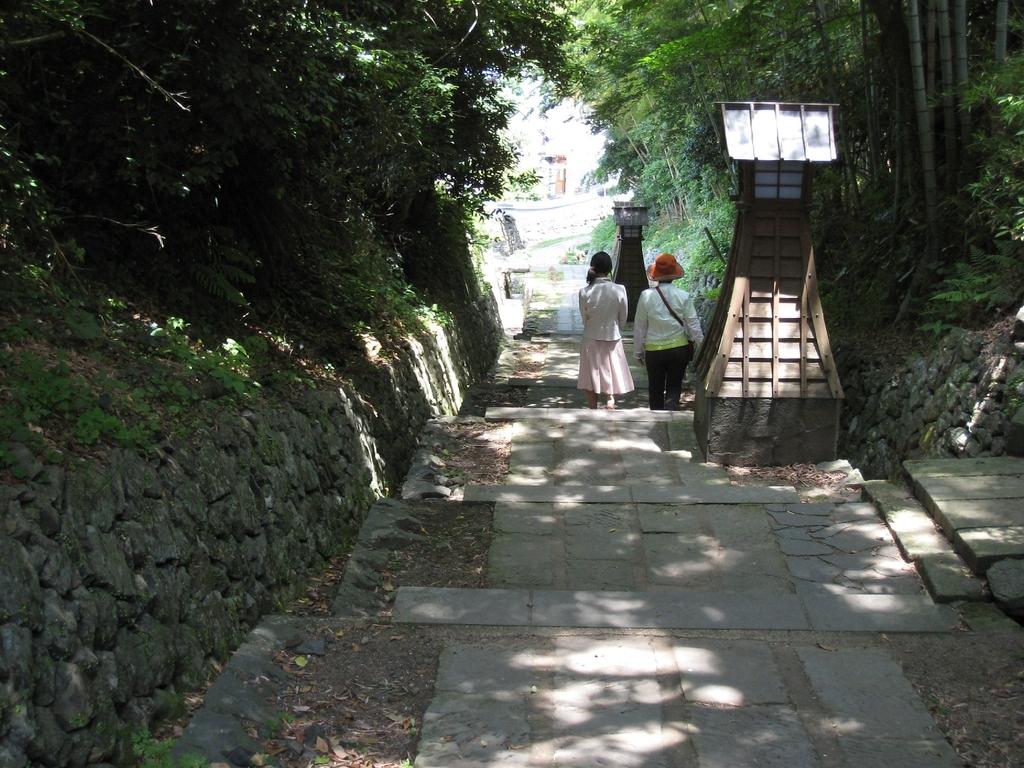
(665, 371)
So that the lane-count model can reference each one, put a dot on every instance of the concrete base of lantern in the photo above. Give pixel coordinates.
(762, 431)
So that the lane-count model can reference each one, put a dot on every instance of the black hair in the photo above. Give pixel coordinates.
(601, 263)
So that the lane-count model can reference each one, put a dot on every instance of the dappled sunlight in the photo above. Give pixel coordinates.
(845, 726)
(575, 697)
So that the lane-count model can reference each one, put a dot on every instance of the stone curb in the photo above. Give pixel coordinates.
(218, 728)
(426, 478)
(388, 524)
(946, 577)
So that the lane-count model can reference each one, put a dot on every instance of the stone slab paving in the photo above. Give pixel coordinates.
(610, 524)
(596, 451)
(785, 549)
(674, 609)
(576, 415)
(584, 701)
(668, 494)
(979, 504)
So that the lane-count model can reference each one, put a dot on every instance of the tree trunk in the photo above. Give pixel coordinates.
(1002, 11)
(948, 105)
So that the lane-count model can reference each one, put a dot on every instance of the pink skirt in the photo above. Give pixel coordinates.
(603, 368)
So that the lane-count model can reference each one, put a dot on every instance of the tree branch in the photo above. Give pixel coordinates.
(27, 41)
(171, 97)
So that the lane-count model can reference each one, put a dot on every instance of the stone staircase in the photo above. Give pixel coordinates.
(642, 610)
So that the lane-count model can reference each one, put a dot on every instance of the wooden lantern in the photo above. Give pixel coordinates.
(768, 391)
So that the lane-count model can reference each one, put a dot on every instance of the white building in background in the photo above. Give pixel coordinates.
(558, 144)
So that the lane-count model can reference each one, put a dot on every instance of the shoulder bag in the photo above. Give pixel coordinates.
(671, 312)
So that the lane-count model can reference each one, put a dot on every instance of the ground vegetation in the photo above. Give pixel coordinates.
(217, 186)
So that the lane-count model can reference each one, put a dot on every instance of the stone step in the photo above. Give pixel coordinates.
(699, 493)
(945, 575)
(672, 610)
(993, 465)
(563, 382)
(981, 511)
(576, 415)
(657, 702)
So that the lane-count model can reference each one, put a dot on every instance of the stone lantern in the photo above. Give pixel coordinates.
(628, 257)
(767, 390)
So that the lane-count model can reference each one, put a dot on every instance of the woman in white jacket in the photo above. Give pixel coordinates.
(666, 333)
(604, 369)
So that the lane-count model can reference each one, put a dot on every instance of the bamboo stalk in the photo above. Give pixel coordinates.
(868, 96)
(948, 105)
(924, 123)
(849, 173)
(960, 44)
(1002, 11)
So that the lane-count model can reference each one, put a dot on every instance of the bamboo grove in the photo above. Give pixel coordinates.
(923, 219)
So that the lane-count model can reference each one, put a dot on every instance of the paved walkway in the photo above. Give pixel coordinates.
(676, 618)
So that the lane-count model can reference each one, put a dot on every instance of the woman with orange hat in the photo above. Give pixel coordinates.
(665, 332)
(604, 369)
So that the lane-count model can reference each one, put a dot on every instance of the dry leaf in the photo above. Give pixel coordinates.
(826, 647)
(322, 745)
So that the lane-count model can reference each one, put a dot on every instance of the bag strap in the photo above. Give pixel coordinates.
(669, 308)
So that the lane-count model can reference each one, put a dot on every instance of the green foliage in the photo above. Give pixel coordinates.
(603, 236)
(233, 148)
(1015, 390)
(147, 752)
(998, 193)
(984, 282)
(230, 365)
(653, 70)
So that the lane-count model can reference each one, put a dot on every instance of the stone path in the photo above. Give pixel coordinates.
(677, 619)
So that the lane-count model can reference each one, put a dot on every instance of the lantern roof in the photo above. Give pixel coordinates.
(767, 130)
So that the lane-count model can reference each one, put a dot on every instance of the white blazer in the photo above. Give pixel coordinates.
(604, 307)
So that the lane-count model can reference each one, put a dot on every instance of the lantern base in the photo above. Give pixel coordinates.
(764, 431)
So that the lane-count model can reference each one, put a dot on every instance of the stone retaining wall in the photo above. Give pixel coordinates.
(958, 400)
(123, 581)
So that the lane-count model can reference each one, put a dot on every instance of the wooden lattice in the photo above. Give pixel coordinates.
(768, 337)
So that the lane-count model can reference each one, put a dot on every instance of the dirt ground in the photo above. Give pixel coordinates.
(360, 705)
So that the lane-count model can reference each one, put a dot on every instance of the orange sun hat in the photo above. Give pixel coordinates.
(665, 267)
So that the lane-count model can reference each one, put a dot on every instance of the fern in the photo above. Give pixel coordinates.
(226, 271)
(984, 281)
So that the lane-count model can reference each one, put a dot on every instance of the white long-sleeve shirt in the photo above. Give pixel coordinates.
(655, 329)
(604, 308)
